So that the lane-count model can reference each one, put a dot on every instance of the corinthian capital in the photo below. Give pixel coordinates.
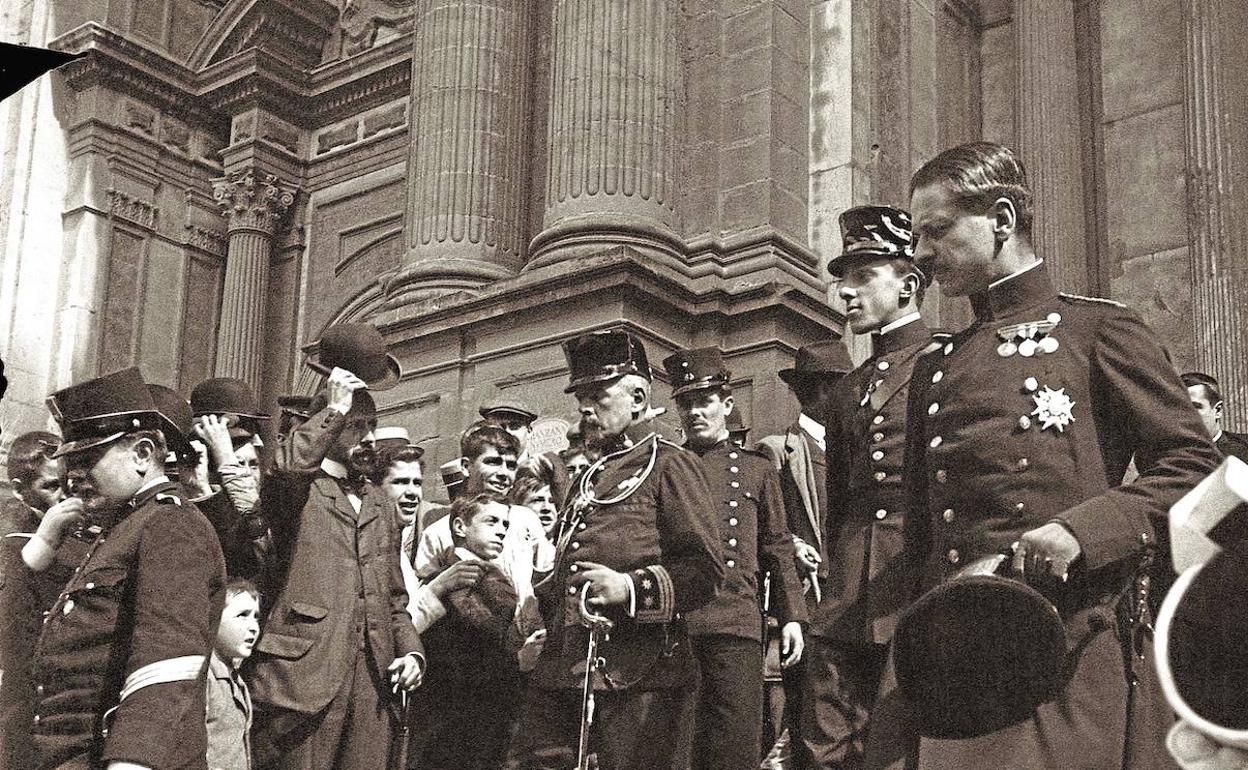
(253, 200)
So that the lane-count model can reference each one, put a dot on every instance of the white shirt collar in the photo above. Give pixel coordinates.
(1215, 438)
(161, 479)
(813, 427)
(334, 468)
(1016, 273)
(909, 318)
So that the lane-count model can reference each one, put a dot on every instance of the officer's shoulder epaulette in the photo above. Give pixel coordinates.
(1097, 300)
(167, 498)
(671, 444)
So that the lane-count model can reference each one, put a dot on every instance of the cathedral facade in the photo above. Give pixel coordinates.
(216, 181)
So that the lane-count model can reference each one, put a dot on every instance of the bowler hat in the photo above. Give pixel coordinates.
(736, 424)
(818, 360)
(603, 356)
(873, 232)
(978, 653)
(296, 406)
(696, 369)
(232, 398)
(103, 410)
(360, 349)
(502, 406)
(177, 420)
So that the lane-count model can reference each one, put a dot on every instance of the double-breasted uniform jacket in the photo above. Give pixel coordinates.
(342, 587)
(803, 477)
(119, 668)
(662, 533)
(868, 584)
(1030, 416)
(753, 538)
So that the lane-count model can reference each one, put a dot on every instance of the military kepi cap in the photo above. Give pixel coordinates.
(603, 356)
(818, 360)
(103, 410)
(872, 232)
(696, 369)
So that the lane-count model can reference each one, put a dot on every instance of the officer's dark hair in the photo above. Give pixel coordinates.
(476, 441)
(1212, 394)
(28, 453)
(979, 173)
(464, 508)
(239, 585)
(159, 448)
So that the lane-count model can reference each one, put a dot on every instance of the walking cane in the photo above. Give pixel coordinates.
(402, 736)
(598, 626)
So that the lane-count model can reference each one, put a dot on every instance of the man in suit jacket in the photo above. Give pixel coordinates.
(338, 637)
(1206, 395)
(799, 456)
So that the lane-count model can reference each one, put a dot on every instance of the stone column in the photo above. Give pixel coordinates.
(1048, 136)
(466, 161)
(255, 204)
(1217, 195)
(611, 129)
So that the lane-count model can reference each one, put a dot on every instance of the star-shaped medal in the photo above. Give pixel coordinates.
(1054, 408)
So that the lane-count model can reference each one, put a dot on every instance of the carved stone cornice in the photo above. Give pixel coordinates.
(132, 209)
(253, 200)
(296, 30)
(206, 240)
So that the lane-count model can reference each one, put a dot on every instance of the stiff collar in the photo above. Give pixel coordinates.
(812, 426)
(1018, 291)
(1218, 437)
(903, 332)
(335, 469)
(703, 451)
(633, 435)
(152, 488)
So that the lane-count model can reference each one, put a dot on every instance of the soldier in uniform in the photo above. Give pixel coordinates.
(1206, 396)
(639, 537)
(119, 668)
(727, 633)
(1020, 429)
(851, 628)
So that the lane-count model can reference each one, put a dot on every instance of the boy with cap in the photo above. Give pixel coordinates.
(866, 434)
(726, 633)
(120, 665)
(338, 640)
(638, 541)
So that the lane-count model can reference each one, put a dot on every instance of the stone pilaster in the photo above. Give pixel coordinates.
(1217, 196)
(1048, 136)
(255, 205)
(611, 129)
(466, 164)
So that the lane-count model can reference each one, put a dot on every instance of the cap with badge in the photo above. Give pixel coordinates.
(507, 407)
(818, 360)
(696, 369)
(358, 348)
(874, 232)
(178, 421)
(102, 410)
(1201, 649)
(603, 356)
(232, 398)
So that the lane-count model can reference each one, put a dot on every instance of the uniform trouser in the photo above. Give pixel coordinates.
(633, 730)
(727, 720)
(351, 733)
(841, 682)
(462, 728)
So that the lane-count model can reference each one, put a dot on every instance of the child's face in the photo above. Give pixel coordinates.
(240, 626)
(484, 533)
(490, 471)
(542, 502)
(44, 490)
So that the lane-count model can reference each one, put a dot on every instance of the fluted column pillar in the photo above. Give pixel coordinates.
(1217, 195)
(466, 163)
(611, 129)
(1048, 136)
(255, 205)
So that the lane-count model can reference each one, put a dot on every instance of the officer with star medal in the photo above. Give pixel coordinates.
(1020, 429)
(119, 668)
(639, 538)
(727, 633)
(866, 432)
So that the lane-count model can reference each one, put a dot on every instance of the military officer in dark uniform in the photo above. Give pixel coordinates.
(727, 633)
(1206, 396)
(850, 630)
(639, 536)
(119, 668)
(1021, 427)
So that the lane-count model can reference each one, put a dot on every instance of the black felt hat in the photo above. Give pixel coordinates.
(818, 360)
(232, 398)
(874, 232)
(695, 369)
(177, 420)
(603, 356)
(103, 410)
(977, 654)
(297, 406)
(360, 349)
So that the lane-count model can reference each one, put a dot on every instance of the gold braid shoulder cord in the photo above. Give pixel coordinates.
(584, 500)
